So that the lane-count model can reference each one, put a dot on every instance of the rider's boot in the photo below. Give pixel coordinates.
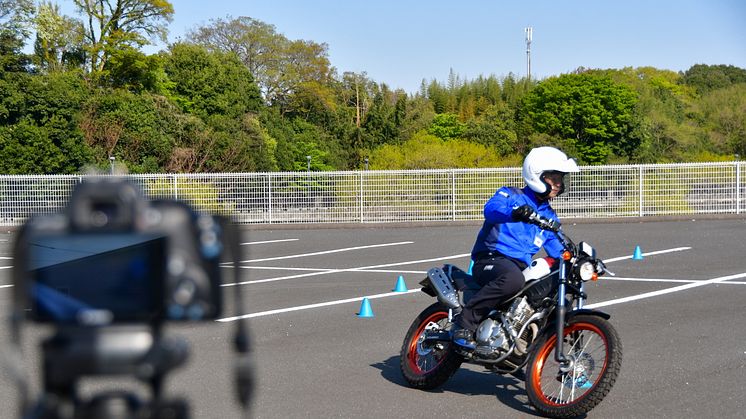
(465, 338)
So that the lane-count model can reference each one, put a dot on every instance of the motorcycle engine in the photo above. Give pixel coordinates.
(490, 335)
(490, 338)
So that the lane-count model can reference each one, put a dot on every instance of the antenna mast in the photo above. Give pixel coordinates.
(529, 34)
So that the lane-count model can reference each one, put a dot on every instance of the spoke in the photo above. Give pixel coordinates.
(590, 338)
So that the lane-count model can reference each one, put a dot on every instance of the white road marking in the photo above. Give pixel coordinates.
(658, 252)
(366, 268)
(665, 291)
(309, 306)
(269, 241)
(332, 271)
(616, 278)
(326, 252)
(279, 268)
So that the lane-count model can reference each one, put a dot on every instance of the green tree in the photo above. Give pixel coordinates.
(722, 114)
(280, 66)
(59, 39)
(494, 128)
(210, 83)
(15, 16)
(591, 113)
(380, 125)
(447, 126)
(39, 132)
(426, 151)
(705, 78)
(130, 69)
(113, 24)
(126, 125)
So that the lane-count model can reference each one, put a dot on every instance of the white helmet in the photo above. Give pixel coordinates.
(545, 159)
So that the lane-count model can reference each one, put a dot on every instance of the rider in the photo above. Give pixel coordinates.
(506, 243)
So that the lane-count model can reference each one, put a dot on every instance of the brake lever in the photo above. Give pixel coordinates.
(604, 269)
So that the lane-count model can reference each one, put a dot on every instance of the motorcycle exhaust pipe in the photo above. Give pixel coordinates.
(444, 288)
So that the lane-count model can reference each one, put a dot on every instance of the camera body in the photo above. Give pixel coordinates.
(114, 257)
(107, 273)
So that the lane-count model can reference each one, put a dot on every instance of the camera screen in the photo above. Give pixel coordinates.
(96, 279)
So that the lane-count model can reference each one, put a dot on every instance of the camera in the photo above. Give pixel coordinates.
(107, 274)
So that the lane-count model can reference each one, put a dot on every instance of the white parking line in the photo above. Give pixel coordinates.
(326, 252)
(616, 278)
(280, 268)
(366, 268)
(658, 252)
(332, 271)
(665, 291)
(309, 306)
(269, 241)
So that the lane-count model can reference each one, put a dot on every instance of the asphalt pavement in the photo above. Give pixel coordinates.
(680, 313)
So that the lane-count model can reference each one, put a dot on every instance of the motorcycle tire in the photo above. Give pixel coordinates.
(595, 349)
(428, 367)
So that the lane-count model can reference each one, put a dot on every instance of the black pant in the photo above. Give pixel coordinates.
(500, 278)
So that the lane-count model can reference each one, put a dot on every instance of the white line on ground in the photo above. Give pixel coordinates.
(659, 252)
(665, 291)
(280, 268)
(309, 306)
(616, 278)
(269, 241)
(332, 271)
(589, 306)
(326, 252)
(365, 268)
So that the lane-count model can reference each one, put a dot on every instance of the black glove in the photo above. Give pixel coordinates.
(523, 213)
(552, 225)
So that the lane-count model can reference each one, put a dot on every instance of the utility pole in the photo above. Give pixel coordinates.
(529, 34)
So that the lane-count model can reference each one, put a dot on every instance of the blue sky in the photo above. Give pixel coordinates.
(403, 42)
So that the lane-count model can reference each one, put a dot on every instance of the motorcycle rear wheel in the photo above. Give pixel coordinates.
(594, 346)
(428, 366)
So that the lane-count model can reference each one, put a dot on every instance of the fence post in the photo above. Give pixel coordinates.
(453, 194)
(641, 191)
(738, 188)
(361, 197)
(175, 186)
(269, 196)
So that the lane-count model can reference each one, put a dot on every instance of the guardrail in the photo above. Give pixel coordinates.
(410, 195)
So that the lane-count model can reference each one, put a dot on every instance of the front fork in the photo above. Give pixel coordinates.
(559, 351)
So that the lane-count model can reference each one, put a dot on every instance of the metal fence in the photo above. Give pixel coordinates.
(411, 195)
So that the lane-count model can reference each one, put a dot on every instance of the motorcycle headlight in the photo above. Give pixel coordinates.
(586, 271)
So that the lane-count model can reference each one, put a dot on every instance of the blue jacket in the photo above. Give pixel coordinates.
(517, 240)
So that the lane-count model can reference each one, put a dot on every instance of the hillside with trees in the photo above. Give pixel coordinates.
(238, 96)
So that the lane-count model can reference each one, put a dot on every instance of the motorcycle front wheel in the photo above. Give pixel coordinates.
(593, 346)
(428, 365)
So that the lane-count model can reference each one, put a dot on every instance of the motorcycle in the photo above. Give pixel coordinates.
(571, 355)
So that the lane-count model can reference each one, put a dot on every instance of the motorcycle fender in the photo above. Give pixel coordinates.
(550, 327)
(586, 311)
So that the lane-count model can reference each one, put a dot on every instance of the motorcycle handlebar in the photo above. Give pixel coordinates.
(545, 223)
